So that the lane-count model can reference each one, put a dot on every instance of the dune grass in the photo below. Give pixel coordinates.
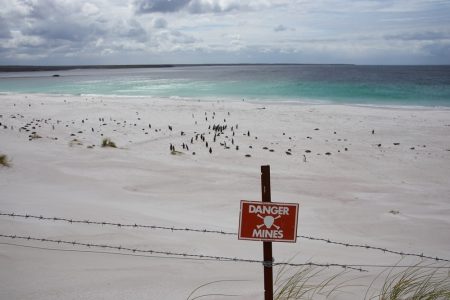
(4, 161)
(192, 295)
(34, 136)
(75, 142)
(107, 142)
(416, 282)
(419, 282)
(175, 152)
(307, 283)
(290, 284)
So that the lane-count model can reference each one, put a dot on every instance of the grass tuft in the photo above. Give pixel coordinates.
(34, 136)
(306, 283)
(4, 161)
(417, 282)
(108, 143)
(75, 142)
(175, 152)
(192, 295)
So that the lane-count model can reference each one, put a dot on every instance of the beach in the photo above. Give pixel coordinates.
(365, 175)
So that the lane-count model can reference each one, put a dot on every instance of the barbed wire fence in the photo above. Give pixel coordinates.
(178, 254)
(190, 256)
(186, 229)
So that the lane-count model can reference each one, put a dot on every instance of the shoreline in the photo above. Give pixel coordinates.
(293, 102)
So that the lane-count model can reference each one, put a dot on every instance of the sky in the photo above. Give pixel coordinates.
(61, 32)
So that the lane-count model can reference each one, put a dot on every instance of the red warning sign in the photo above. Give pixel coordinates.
(268, 221)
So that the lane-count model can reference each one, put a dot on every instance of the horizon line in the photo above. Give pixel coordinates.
(65, 67)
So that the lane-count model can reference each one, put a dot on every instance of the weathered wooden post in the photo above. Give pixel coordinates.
(268, 222)
(267, 246)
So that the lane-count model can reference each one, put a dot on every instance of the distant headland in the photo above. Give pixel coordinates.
(30, 68)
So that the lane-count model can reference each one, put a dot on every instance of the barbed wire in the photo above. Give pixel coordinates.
(195, 257)
(177, 254)
(173, 228)
(116, 224)
(384, 250)
(101, 252)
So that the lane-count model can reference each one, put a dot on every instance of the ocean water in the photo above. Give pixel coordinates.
(347, 84)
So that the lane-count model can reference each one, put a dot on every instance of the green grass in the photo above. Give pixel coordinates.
(75, 142)
(193, 296)
(174, 152)
(418, 282)
(34, 136)
(306, 283)
(4, 161)
(108, 143)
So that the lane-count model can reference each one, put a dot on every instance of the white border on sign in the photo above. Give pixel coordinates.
(263, 239)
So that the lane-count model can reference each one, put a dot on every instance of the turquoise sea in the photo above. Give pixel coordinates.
(372, 85)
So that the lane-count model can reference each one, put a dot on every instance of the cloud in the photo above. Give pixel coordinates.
(439, 50)
(56, 20)
(179, 37)
(42, 9)
(202, 6)
(131, 30)
(144, 31)
(4, 29)
(159, 23)
(280, 28)
(162, 6)
(67, 30)
(89, 9)
(419, 36)
(195, 6)
(58, 28)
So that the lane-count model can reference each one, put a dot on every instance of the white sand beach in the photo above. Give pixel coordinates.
(389, 188)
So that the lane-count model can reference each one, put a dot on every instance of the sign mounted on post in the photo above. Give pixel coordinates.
(268, 221)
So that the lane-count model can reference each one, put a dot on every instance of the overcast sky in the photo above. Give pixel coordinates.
(224, 31)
